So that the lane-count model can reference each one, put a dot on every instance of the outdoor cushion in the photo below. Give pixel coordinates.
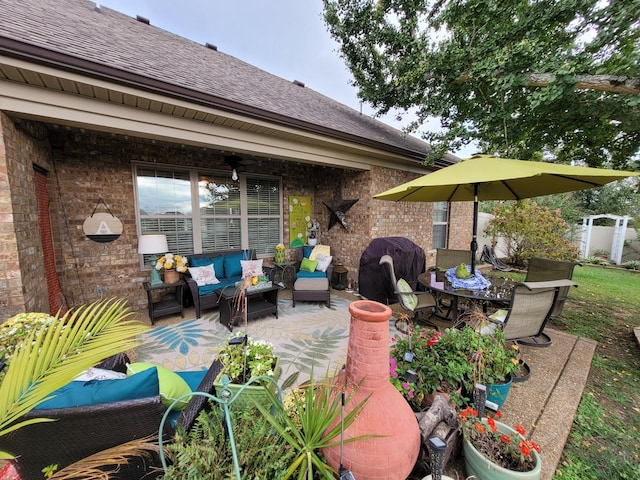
(251, 268)
(205, 275)
(80, 393)
(218, 263)
(172, 386)
(232, 265)
(224, 282)
(323, 262)
(409, 301)
(308, 274)
(308, 265)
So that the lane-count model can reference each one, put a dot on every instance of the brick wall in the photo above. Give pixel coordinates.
(86, 166)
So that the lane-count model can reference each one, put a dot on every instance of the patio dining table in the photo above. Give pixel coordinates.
(498, 293)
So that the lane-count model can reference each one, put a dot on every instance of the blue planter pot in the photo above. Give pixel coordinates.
(497, 393)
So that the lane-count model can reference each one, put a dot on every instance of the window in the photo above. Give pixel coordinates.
(205, 212)
(440, 224)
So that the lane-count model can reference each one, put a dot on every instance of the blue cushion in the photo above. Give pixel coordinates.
(218, 264)
(307, 274)
(193, 378)
(232, 265)
(76, 394)
(306, 251)
(224, 282)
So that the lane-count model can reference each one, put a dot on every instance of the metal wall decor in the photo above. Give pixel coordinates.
(102, 227)
(338, 209)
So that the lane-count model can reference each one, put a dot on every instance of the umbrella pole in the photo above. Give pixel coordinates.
(474, 242)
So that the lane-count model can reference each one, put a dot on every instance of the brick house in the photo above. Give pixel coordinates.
(101, 112)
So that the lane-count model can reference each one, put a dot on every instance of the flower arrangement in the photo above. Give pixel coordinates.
(17, 329)
(279, 257)
(512, 451)
(169, 261)
(245, 358)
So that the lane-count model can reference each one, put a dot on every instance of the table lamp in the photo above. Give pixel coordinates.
(153, 245)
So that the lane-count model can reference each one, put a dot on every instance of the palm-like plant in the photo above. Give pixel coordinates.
(51, 358)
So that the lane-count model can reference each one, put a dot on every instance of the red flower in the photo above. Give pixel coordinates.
(505, 439)
(492, 424)
(520, 429)
(480, 427)
(524, 448)
(498, 414)
(535, 446)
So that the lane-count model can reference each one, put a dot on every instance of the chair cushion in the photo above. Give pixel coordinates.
(218, 263)
(308, 265)
(251, 268)
(408, 301)
(80, 393)
(315, 284)
(319, 250)
(172, 386)
(232, 265)
(307, 274)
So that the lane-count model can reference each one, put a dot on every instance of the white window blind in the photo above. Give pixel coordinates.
(440, 224)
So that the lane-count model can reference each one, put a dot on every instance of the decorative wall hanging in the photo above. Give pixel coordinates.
(102, 227)
(299, 216)
(338, 209)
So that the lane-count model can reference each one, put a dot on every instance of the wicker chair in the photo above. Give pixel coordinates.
(79, 432)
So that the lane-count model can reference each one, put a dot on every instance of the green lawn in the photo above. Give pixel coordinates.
(604, 440)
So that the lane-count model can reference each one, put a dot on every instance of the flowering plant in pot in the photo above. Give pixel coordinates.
(426, 362)
(170, 261)
(493, 450)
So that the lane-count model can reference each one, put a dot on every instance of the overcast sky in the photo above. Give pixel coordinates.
(287, 38)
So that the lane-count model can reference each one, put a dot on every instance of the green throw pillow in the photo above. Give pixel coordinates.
(408, 301)
(308, 265)
(172, 386)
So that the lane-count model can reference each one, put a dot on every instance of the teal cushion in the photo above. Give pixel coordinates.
(78, 394)
(200, 261)
(306, 251)
(172, 386)
(308, 265)
(232, 266)
(193, 378)
(307, 274)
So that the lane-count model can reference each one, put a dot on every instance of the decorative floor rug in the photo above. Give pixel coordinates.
(309, 336)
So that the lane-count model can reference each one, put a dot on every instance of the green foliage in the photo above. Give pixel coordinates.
(205, 451)
(501, 73)
(50, 358)
(531, 231)
(631, 265)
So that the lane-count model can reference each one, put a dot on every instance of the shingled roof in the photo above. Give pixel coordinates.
(80, 36)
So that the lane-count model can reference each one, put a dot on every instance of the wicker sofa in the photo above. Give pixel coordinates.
(79, 432)
(224, 261)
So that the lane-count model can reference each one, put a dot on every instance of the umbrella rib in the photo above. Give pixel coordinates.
(568, 177)
(506, 185)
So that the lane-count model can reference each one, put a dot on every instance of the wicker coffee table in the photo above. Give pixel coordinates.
(261, 301)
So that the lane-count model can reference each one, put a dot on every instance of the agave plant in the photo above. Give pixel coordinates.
(49, 359)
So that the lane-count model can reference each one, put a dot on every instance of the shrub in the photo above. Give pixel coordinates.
(531, 231)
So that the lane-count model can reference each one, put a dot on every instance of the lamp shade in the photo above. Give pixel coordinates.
(152, 244)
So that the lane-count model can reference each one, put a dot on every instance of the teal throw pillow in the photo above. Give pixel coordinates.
(93, 392)
(172, 386)
(232, 266)
(308, 265)
(409, 301)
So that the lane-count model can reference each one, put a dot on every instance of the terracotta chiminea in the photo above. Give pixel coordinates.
(393, 453)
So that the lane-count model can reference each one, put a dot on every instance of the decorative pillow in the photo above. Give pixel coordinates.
(99, 374)
(232, 266)
(251, 268)
(319, 250)
(172, 386)
(79, 394)
(323, 262)
(204, 275)
(218, 264)
(200, 261)
(308, 265)
(409, 301)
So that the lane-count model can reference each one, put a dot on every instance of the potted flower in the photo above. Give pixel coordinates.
(427, 362)
(172, 265)
(247, 361)
(279, 257)
(495, 451)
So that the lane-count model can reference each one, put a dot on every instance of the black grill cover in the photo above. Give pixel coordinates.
(409, 262)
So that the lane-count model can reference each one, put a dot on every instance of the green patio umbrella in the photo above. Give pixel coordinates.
(484, 177)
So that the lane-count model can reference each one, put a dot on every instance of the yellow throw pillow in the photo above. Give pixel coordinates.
(319, 249)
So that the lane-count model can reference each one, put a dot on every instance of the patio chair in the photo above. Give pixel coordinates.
(412, 302)
(531, 306)
(543, 269)
(447, 258)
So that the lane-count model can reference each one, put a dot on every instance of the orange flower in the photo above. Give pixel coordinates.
(505, 439)
(520, 429)
(524, 448)
(492, 424)
(480, 427)
(535, 446)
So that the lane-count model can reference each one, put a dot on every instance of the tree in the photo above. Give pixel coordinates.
(558, 78)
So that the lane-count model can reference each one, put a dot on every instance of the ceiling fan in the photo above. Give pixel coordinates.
(234, 161)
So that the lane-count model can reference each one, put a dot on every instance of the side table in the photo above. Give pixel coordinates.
(284, 272)
(169, 304)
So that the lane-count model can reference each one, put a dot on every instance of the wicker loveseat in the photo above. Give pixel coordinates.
(79, 432)
(227, 269)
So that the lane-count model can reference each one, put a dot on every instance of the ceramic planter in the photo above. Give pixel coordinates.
(482, 468)
(497, 393)
(251, 393)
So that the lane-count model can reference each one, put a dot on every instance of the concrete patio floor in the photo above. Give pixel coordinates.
(544, 405)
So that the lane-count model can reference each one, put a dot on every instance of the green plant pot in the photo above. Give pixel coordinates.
(245, 398)
(482, 468)
(497, 393)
